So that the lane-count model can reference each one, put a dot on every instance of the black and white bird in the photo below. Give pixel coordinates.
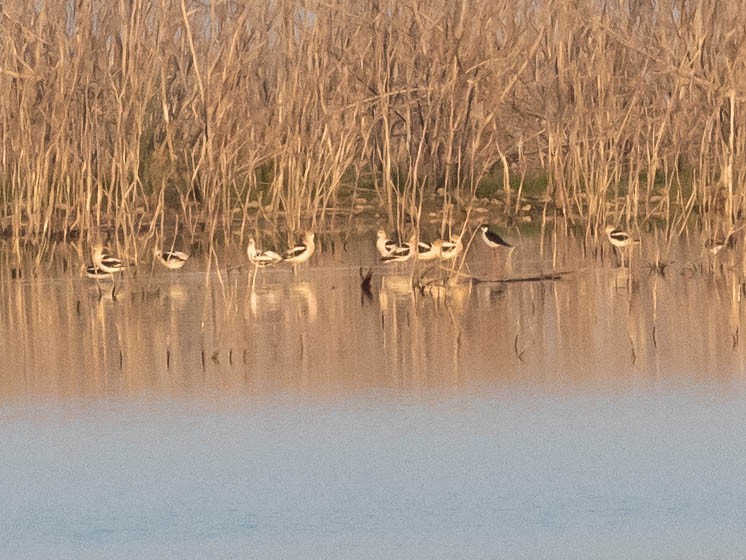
(301, 252)
(172, 260)
(449, 248)
(621, 241)
(427, 251)
(618, 237)
(259, 257)
(106, 261)
(402, 251)
(95, 273)
(492, 239)
(384, 245)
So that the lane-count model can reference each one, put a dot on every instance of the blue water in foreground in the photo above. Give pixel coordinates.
(522, 472)
(598, 416)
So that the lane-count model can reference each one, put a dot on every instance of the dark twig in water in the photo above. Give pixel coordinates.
(537, 278)
(366, 294)
(231, 268)
(518, 353)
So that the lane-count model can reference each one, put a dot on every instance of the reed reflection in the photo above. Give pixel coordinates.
(420, 326)
(210, 331)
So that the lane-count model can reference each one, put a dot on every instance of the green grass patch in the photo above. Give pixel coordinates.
(534, 184)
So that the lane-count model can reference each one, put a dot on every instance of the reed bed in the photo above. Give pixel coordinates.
(120, 118)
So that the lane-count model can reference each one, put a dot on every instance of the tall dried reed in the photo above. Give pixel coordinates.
(114, 115)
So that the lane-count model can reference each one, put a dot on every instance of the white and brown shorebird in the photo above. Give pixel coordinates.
(303, 251)
(95, 273)
(384, 244)
(107, 262)
(259, 257)
(402, 252)
(427, 251)
(449, 248)
(619, 239)
(172, 260)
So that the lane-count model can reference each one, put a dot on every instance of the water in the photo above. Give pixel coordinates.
(598, 416)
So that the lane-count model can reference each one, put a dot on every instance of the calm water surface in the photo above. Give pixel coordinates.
(598, 416)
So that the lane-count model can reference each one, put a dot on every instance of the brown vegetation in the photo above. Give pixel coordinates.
(120, 114)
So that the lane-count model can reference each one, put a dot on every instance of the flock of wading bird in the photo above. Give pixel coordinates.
(391, 250)
(106, 265)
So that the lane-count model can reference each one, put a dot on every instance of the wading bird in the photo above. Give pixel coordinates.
(427, 251)
(106, 261)
(384, 244)
(172, 260)
(301, 252)
(449, 248)
(619, 238)
(491, 239)
(402, 251)
(259, 257)
(96, 273)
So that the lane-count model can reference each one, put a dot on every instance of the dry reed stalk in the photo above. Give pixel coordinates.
(114, 114)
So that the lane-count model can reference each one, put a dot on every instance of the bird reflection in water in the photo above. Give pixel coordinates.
(265, 301)
(303, 295)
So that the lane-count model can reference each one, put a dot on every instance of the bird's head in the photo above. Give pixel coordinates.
(251, 247)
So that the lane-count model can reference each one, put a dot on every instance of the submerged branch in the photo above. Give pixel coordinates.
(513, 280)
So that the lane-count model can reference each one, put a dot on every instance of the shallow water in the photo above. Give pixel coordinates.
(595, 416)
